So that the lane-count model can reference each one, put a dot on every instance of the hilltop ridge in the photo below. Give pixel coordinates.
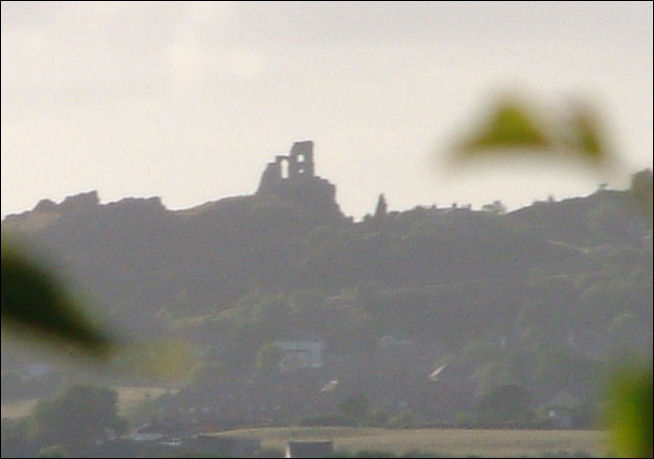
(557, 286)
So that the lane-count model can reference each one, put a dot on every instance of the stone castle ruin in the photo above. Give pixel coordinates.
(292, 178)
(296, 166)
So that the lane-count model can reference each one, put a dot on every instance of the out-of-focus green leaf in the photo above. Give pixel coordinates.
(509, 126)
(513, 128)
(629, 413)
(584, 137)
(35, 302)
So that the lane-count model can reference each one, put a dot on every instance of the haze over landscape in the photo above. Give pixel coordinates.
(277, 229)
(187, 100)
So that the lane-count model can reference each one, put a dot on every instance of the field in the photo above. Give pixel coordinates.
(444, 442)
(17, 409)
(129, 397)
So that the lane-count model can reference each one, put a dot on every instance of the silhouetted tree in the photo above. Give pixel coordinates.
(381, 209)
(496, 207)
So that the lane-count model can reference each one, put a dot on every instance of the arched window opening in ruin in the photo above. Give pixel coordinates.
(283, 164)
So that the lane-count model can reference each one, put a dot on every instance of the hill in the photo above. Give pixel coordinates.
(540, 297)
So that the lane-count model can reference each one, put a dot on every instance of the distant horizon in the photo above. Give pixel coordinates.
(355, 217)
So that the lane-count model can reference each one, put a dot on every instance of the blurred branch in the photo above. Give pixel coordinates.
(35, 302)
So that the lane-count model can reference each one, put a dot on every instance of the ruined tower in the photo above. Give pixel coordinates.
(298, 164)
(292, 178)
(300, 161)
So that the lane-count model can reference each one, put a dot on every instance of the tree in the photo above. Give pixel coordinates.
(380, 210)
(355, 407)
(77, 418)
(496, 207)
(15, 438)
(204, 377)
(641, 189)
(505, 404)
(268, 358)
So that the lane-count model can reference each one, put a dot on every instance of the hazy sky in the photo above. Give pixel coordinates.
(188, 101)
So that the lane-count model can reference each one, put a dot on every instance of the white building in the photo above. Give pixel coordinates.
(300, 354)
